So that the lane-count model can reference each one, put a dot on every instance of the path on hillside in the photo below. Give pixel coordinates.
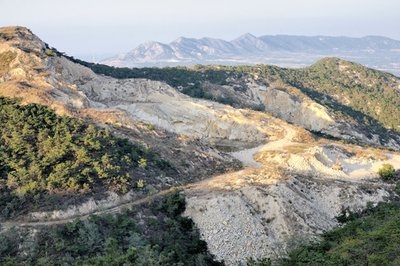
(246, 156)
(113, 209)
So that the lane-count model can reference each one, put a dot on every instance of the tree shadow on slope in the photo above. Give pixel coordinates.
(364, 123)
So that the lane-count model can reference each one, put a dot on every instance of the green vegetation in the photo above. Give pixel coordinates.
(47, 161)
(397, 189)
(45, 157)
(367, 95)
(154, 235)
(387, 171)
(50, 52)
(368, 238)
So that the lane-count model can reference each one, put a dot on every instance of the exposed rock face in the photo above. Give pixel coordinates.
(159, 104)
(305, 113)
(292, 194)
(260, 221)
(291, 104)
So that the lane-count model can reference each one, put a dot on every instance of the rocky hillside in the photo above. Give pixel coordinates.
(333, 97)
(250, 152)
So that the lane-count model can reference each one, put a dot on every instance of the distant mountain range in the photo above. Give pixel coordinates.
(283, 50)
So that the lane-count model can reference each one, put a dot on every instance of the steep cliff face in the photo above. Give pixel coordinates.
(159, 104)
(302, 112)
(309, 114)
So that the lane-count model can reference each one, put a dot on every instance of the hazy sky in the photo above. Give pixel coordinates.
(97, 28)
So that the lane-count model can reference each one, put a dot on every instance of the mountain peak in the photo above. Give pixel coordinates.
(246, 36)
(180, 39)
(15, 31)
(23, 38)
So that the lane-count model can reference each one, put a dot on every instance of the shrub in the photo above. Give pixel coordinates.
(50, 52)
(397, 188)
(387, 171)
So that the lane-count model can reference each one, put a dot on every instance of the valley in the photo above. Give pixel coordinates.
(266, 158)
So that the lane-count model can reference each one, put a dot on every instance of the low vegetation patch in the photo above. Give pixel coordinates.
(387, 172)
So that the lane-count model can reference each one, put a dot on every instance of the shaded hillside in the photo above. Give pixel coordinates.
(335, 82)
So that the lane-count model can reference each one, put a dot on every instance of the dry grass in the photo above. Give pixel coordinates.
(5, 59)
(298, 148)
(303, 136)
(364, 153)
(374, 154)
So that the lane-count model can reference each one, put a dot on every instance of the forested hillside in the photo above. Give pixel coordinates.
(156, 234)
(45, 159)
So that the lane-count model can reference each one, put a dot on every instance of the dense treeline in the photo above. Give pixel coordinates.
(45, 154)
(154, 235)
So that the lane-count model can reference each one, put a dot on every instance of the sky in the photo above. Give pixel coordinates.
(95, 29)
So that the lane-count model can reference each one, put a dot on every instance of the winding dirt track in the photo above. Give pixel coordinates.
(246, 156)
(113, 209)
